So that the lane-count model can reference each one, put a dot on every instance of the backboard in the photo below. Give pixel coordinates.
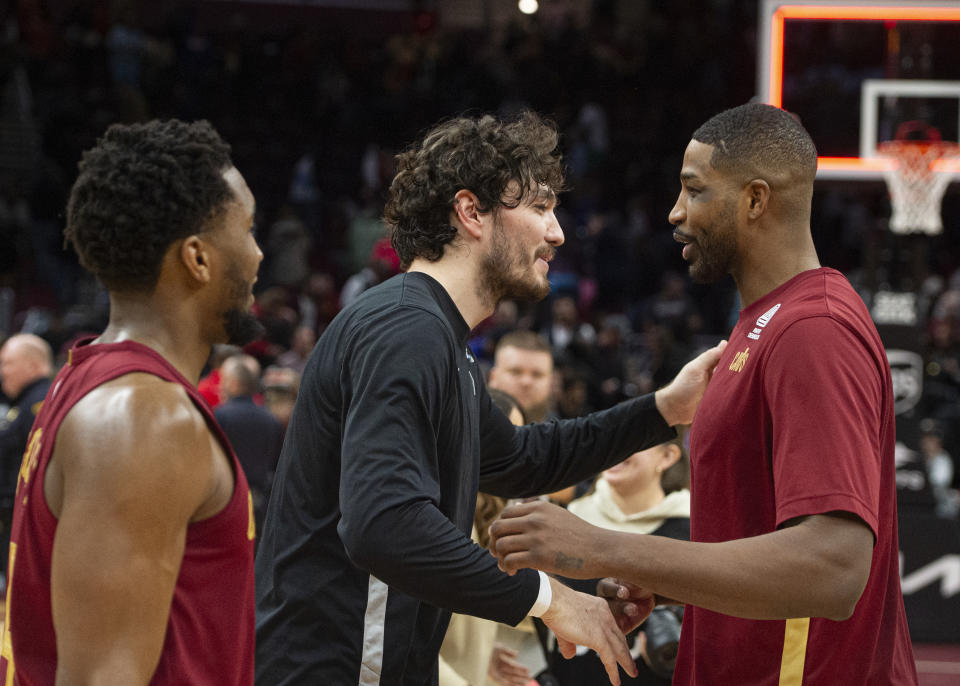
(853, 72)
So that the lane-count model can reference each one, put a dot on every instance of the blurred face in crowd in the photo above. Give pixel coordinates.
(524, 240)
(642, 470)
(705, 216)
(527, 376)
(20, 365)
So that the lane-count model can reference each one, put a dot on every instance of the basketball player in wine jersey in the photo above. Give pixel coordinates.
(131, 556)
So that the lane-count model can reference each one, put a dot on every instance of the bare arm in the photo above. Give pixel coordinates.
(133, 464)
(814, 567)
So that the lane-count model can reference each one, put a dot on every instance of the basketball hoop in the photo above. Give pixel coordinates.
(916, 188)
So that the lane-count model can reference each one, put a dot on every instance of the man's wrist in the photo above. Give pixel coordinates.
(662, 400)
(544, 597)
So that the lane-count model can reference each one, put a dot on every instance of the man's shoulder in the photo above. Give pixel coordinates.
(138, 408)
(405, 307)
(411, 290)
(823, 299)
(139, 438)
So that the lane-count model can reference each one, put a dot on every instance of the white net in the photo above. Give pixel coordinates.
(916, 189)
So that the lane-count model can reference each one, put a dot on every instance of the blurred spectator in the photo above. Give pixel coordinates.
(288, 245)
(255, 435)
(608, 361)
(523, 367)
(566, 333)
(304, 338)
(940, 468)
(279, 319)
(26, 368)
(209, 385)
(365, 229)
(672, 306)
(571, 391)
(318, 302)
(505, 319)
(382, 264)
(280, 388)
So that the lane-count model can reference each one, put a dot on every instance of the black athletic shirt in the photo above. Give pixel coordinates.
(367, 533)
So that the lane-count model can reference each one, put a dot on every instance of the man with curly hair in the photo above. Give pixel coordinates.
(131, 559)
(366, 546)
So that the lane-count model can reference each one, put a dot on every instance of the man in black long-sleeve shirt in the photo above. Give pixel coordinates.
(367, 530)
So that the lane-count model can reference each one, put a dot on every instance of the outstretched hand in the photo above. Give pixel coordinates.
(678, 400)
(630, 604)
(542, 536)
(580, 619)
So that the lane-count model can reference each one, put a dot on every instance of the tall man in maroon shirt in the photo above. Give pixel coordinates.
(791, 574)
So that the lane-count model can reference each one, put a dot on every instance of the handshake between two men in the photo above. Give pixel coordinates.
(543, 536)
(539, 535)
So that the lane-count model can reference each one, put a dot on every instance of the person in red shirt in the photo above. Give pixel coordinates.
(791, 575)
(131, 555)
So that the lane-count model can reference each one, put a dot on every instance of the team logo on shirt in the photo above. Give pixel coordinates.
(762, 321)
(739, 360)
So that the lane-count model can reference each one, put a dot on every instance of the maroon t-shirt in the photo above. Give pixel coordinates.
(210, 630)
(798, 420)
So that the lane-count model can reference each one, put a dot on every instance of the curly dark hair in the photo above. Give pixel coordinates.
(482, 155)
(140, 188)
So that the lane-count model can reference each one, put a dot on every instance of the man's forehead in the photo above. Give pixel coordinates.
(536, 191)
(524, 355)
(242, 192)
(544, 192)
(696, 162)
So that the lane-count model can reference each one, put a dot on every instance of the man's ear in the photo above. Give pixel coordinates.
(467, 212)
(758, 197)
(670, 456)
(194, 253)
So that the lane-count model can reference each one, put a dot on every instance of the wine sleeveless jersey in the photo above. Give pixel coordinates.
(210, 630)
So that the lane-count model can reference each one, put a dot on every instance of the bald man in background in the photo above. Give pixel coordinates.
(26, 367)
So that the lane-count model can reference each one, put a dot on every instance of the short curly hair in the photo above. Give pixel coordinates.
(139, 189)
(483, 155)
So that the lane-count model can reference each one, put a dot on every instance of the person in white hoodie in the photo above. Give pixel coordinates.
(648, 493)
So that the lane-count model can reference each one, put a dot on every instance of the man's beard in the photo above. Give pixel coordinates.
(504, 273)
(240, 325)
(715, 254)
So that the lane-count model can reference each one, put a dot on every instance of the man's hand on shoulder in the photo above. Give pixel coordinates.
(678, 400)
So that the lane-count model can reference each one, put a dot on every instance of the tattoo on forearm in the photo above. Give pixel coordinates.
(568, 562)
